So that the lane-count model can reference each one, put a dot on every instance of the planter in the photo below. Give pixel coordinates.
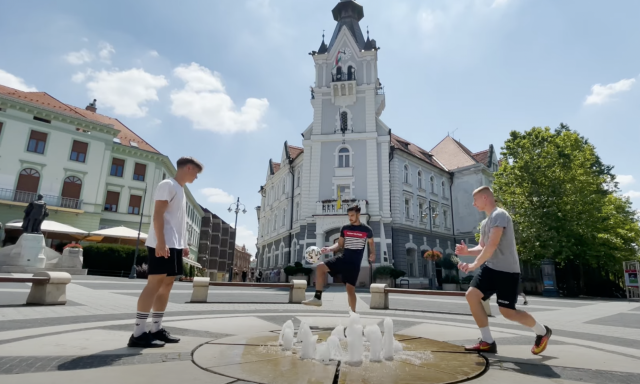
(450, 287)
(464, 287)
(384, 280)
(299, 276)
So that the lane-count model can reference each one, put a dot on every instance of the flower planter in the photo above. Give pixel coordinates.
(450, 287)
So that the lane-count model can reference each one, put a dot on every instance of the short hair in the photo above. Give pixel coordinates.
(354, 208)
(484, 190)
(188, 160)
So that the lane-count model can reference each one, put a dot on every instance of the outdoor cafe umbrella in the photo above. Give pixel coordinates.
(53, 227)
(116, 235)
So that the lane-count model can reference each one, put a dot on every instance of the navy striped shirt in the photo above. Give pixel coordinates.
(355, 238)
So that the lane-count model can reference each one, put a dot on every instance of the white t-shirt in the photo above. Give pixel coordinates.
(175, 217)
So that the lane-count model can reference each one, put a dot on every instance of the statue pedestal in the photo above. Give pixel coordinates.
(29, 251)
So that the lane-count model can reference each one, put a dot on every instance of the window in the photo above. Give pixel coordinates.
(134, 205)
(297, 210)
(344, 121)
(275, 221)
(432, 181)
(117, 167)
(421, 211)
(445, 217)
(78, 151)
(351, 73)
(139, 171)
(406, 174)
(443, 188)
(297, 177)
(37, 142)
(344, 158)
(345, 191)
(284, 217)
(407, 208)
(28, 182)
(420, 180)
(111, 202)
(71, 189)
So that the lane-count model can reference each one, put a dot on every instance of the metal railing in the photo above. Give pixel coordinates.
(51, 200)
(331, 207)
(380, 91)
(343, 77)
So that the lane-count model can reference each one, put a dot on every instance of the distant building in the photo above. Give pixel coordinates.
(241, 262)
(216, 246)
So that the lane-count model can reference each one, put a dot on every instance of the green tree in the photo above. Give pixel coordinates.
(564, 200)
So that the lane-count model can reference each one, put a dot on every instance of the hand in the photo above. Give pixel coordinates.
(185, 253)
(372, 258)
(466, 268)
(162, 250)
(462, 249)
(324, 250)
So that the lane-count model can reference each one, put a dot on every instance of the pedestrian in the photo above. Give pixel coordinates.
(244, 275)
(498, 273)
(353, 238)
(521, 291)
(260, 276)
(167, 246)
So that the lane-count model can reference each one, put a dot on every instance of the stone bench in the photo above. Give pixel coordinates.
(47, 288)
(380, 295)
(297, 288)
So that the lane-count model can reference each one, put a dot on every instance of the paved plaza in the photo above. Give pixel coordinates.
(594, 341)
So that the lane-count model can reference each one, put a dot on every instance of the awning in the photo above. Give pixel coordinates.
(116, 233)
(50, 226)
(191, 262)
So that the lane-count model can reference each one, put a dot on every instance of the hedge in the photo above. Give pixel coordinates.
(112, 257)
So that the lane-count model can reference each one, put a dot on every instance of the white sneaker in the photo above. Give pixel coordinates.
(313, 301)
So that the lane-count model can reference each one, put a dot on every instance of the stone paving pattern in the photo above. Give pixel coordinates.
(595, 341)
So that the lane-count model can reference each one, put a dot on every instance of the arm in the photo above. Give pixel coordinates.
(462, 250)
(185, 250)
(158, 226)
(487, 251)
(372, 250)
(339, 246)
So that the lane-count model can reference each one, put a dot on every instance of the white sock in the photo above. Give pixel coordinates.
(141, 324)
(156, 319)
(539, 329)
(486, 335)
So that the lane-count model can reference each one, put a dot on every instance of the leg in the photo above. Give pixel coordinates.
(474, 298)
(162, 298)
(148, 296)
(140, 337)
(351, 295)
(321, 277)
(482, 287)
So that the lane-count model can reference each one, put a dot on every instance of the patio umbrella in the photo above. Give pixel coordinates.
(117, 235)
(50, 227)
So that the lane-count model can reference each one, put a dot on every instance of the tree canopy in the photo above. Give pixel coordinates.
(565, 202)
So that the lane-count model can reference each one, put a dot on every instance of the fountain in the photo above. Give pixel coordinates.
(374, 336)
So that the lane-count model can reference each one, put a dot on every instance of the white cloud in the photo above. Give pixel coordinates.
(204, 101)
(154, 53)
(499, 3)
(632, 194)
(12, 81)
(246, 237)
(80, 77)
(106, 50)
(78, 58)
(602, 93)
(217, 195)
(125, 91)
(625, 180)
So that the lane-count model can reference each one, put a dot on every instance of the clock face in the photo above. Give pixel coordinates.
(347, 53)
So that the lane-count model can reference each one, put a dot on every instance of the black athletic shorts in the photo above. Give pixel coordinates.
(170, 266)
(348, 269)
(503, 284)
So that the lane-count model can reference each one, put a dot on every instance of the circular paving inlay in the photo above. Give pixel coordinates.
(258, 358)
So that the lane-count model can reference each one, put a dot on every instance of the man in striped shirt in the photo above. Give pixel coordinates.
(353, 238)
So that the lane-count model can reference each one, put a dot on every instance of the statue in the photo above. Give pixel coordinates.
(313, 95)
(34, 215)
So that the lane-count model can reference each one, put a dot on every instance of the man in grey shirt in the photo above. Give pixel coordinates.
(499, 275)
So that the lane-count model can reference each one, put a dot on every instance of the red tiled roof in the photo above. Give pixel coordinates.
(295, 151)
(467, 150)
(482, 157)
(276, 167)
(126, 135)
(414, 150)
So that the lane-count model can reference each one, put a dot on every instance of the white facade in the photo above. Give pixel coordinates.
(108, 193)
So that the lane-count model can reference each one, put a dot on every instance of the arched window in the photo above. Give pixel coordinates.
(284, 216)
(339, 73)
(344, 158)
(27, 187)
(406, 174)
(443, 188)
(71, 189)
(420, 180)
(281, 255)
(298, 177)
(297, 210)
(344, 121)
(432, 181)
(293, 251)
(351, 73)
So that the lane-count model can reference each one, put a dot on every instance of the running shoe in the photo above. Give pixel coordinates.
(483, 346)
(314, 301)
(144, 341)
(164, 335)
(541, 342)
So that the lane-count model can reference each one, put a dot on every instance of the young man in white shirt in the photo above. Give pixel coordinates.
(167, 245)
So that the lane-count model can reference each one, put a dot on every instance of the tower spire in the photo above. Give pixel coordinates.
(348, 14)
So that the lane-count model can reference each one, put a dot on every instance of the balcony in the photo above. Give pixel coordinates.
(51, 200)
(330, 207)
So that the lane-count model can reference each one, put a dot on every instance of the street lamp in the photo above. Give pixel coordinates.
(432, 216)
(133, 274)
(237, 205)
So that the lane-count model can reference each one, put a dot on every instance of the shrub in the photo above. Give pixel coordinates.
(112, 257)
(451, 279)
(290, 270)
(386, 271)
(396, 274)
(450, 262)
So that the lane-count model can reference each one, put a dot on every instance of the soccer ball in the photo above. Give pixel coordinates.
(312, 254)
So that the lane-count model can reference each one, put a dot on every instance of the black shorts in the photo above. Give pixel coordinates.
(503, 284)
(170, 266)
(348, 269)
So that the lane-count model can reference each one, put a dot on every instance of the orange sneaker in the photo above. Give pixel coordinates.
(541, 342)
(483, 346)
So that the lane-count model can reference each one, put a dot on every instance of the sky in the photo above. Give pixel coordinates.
(228, 81)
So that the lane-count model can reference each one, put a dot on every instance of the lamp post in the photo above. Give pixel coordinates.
(237, 205)
(135, 256)
(432, 216)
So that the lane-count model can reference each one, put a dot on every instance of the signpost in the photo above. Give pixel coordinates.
(632, 286)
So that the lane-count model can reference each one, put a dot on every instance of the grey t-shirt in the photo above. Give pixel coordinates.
(505, 258)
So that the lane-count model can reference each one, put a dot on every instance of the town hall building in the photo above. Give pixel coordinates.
(413, 199)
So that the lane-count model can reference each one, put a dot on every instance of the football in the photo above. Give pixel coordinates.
(312, 254)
